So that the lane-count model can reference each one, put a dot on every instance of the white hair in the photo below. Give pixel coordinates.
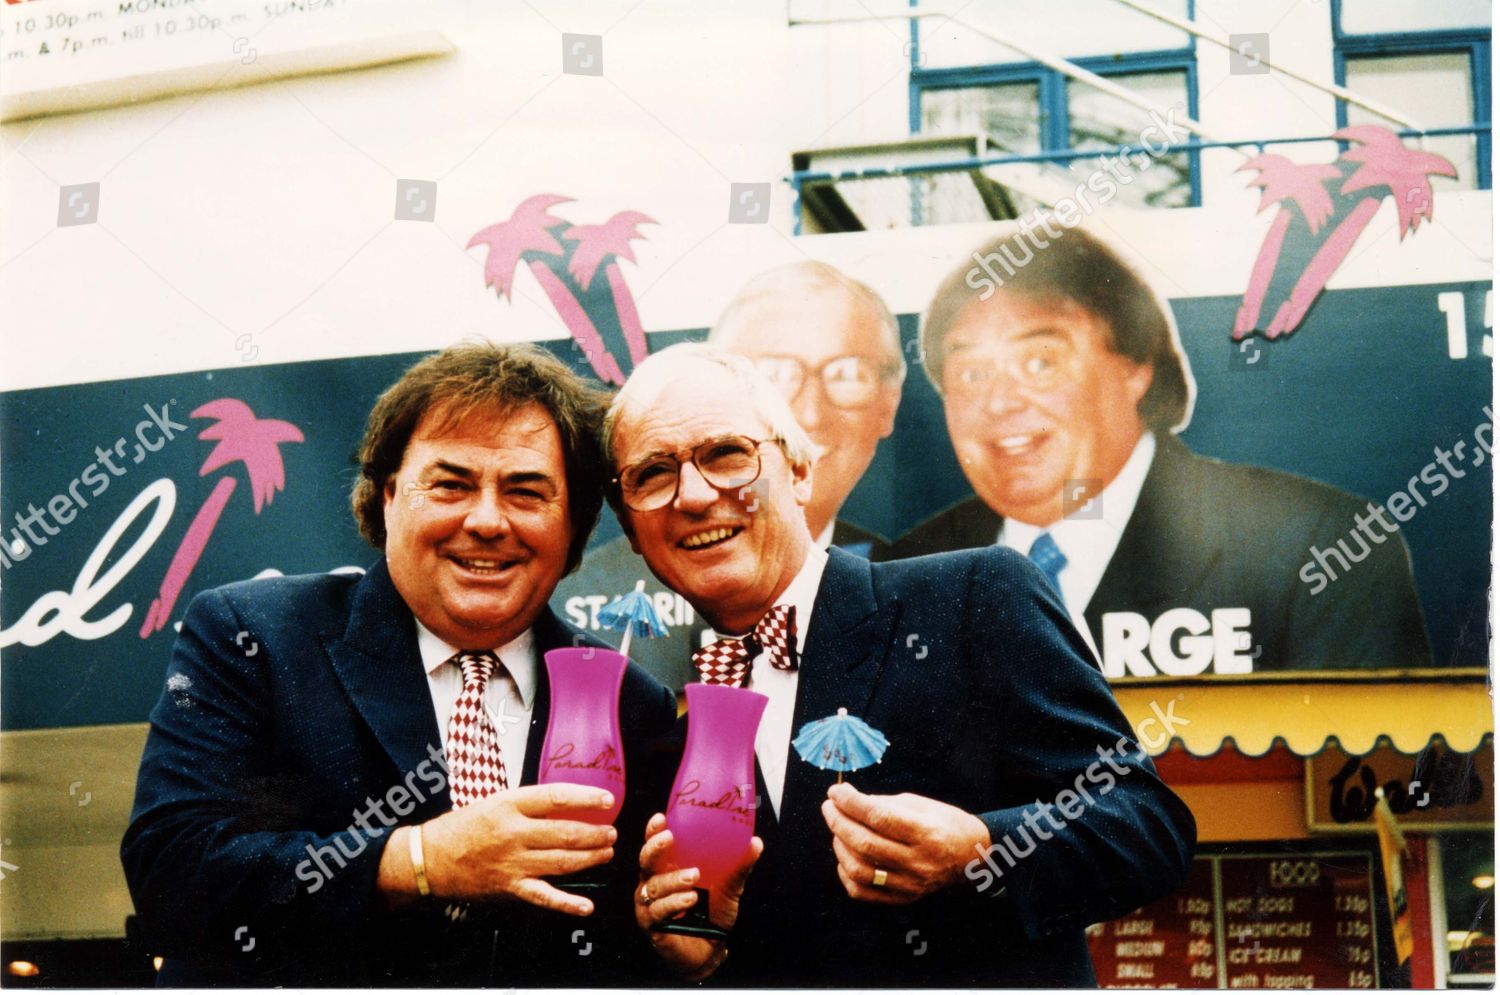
(794, 281)
(660, 369)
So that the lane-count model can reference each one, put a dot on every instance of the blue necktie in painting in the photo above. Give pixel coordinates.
(1045, 554)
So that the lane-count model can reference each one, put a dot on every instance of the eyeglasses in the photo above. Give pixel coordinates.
(848, 382)
(1037, 365)
(728, 463)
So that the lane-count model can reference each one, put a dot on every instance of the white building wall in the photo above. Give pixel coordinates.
(256, 224)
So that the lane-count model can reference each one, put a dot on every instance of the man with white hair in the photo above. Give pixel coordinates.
(967, 662)
(833, 349)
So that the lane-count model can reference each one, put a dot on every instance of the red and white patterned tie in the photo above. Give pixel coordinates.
(476, 768)
(727, 661)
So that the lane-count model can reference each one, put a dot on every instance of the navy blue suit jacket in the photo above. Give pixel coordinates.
(970, 665)
(290, 703)
(1208, 534)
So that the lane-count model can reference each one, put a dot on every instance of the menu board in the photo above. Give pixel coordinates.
(1283, 920)
(1171, 943)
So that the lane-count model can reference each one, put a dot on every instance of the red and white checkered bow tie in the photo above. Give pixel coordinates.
(727, 661)
(476, 768)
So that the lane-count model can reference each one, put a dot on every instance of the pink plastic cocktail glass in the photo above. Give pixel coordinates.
(583, 744)
(711, 811)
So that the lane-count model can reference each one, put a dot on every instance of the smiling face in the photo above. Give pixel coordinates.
(817, 328)
(1034, 398)
(729, 556)
(477, 526)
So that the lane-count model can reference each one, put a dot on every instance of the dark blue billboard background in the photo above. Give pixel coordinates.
(1358, 398)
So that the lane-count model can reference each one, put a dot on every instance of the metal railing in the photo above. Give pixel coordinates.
(800, 179)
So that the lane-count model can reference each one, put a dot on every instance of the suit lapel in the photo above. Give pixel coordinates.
(1163, 555)
(847, 642)
(767, 824)
(380, 668)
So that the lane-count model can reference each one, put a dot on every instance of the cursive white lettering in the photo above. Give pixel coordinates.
(68, 608)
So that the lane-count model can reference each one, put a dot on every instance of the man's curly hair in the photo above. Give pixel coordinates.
(502, 378)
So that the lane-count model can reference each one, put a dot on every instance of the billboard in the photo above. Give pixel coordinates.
(124, 498)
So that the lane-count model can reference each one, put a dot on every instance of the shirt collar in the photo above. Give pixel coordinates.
(517, 656)
(1076, 535)
(800, 593)
(824, 539)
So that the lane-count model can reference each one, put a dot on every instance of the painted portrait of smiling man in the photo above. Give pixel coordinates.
(1064, 388)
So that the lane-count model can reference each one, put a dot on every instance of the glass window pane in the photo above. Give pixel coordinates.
(1379, 16)
(1097, 120)
(1073, 29)
(1468, 860)
(1010, 114)
(1434, 90)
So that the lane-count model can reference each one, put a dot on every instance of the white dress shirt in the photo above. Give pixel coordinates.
(508, 696)
(1089, 543)
(773, 739)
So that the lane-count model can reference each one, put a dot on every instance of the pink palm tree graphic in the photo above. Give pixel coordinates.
(1377, 165)
(1385, 162)
(530, 229)
(1298, 188)
(243, 438)
(604, 245)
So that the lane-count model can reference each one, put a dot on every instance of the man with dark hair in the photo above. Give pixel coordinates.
(338, 787)
(1063, 384)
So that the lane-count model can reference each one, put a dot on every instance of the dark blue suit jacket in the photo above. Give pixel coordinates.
(970, 665)
(290, 703)
(1208, 534)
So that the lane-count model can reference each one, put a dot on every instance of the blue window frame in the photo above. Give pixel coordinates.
(1472, 43)
(1051, 87)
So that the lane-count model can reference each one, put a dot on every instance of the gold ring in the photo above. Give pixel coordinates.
(880, 877)
(645, 894)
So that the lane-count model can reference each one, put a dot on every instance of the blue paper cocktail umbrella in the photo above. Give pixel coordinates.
(840, 742)
(632, 614)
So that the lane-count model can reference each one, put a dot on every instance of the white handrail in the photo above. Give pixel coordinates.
(1076, 72)
(1343, 93)
(1045, 58)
